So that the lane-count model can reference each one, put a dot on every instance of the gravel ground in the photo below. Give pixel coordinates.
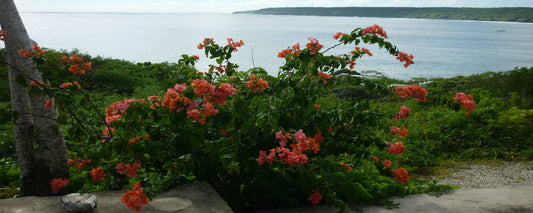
(489, 175)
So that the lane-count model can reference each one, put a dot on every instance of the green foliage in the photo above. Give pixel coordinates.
(113, 81)
(499, 127)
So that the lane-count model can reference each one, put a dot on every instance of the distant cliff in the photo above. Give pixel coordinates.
(512, 14)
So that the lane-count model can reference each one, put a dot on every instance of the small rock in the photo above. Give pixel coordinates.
(77, 203)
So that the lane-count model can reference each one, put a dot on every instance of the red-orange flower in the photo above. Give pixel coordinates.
(401, 175)
(132, 169)
(256, 84)
(284, 53)
(387, 163)
(2, 35)
(35, 82)
(375, 158)
(360, 51)
(404, 112)
(121, 168)
(74, 69)
(58, 183)
(376, 30)
(79, 163)
(352, 64)
(296, 155)
(48, 104)
(396, 148)
(87, 65)
(201, 87)
(234, 44)
(72, 161)
(315, 197)
(294, 50)
(108, 132)
(324, 76)
(97, 174)
(135, 198)
(75, 58)
(399, 130)
(338, 35)
(314, 46)
(194, 114)
(404, 57)
(412, 91)
(38, 50)
(467, 101)
(65, 59)
(347, 167)
(65, 85)
(115, 111)
(25, 54)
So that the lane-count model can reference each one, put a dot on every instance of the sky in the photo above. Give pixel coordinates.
(228, 6)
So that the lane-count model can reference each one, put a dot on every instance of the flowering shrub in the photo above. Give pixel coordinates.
(244, 132)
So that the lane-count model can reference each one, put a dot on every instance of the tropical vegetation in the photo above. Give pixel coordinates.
(318, 132)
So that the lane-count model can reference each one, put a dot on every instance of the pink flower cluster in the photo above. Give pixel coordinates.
(131, 170)
(467, 101)
(404, 112)
(412, 91)
(399, 130)
(69, 84)
(376, 30)
(314, 46)
(396, 148)
(97, 174)
(211, 94)
(401, 175)
(116, 110)
(315, 197)
(293, 155)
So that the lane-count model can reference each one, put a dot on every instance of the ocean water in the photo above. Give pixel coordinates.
(442, 48)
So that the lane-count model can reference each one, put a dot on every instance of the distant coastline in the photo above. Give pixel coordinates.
(509, 14)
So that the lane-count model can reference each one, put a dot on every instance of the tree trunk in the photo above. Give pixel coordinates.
(41, 149)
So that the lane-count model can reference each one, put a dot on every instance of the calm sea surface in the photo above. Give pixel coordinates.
(442, 48)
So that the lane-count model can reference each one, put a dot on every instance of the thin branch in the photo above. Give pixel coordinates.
(336, 45)
(49, 92)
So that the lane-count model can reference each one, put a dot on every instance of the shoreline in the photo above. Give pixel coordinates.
(503, 14)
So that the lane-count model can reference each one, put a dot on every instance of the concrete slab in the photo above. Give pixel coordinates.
(190, 198)
(516, 198)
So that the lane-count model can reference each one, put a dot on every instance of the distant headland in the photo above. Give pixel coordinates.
(510, 14)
